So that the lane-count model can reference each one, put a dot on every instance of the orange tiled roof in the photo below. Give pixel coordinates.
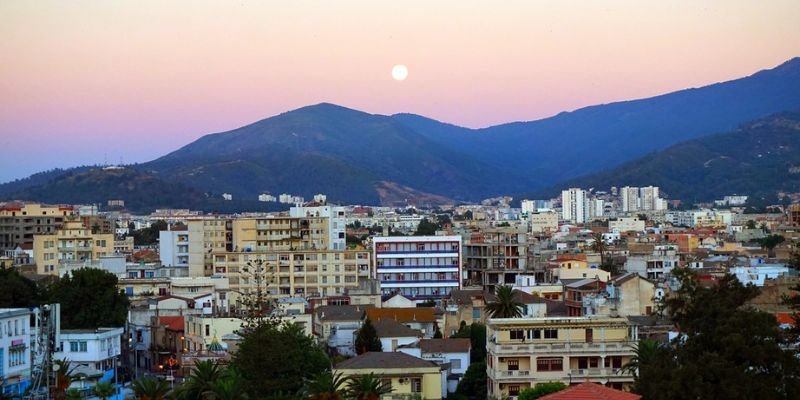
(784, 318)
(590, 391)
(419, 314)
(172, 323)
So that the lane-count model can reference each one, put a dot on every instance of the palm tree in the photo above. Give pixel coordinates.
(324, 386)
(104, 390)
(150, 389)
(229, 387)
(599, 245)
(203, 375)
(64, 378)
(644, 353)
(73, 394)
(367, 387)
(504, 306)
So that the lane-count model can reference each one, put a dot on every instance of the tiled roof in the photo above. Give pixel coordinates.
(590, 391)
(784, 318)
(172, 323)
(417, 314)
(341, 313)
(387, 328)
(444, 345)
(385, 360)
(464, 296)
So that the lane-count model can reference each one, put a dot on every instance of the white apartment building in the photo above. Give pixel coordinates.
(701, 218)
(418, 267)
(93, 352)
(173, 248)
(574, 205)
(15, 350)
(642, 199)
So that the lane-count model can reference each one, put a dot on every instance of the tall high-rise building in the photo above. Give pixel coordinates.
(630, 198)
(649, 198)
(573, 205)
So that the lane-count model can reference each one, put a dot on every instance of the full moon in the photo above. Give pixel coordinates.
(399, 72)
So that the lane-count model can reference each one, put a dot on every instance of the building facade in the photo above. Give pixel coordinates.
(20, 222)
(522, 352)
(418, 267)
(73, 244)
(15, 351)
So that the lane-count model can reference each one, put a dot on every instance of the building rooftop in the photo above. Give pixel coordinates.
(341, 312)
(590, 391)
(444, 345)
(172, 323)
(386, 328)
(417, 314)
(385, 360)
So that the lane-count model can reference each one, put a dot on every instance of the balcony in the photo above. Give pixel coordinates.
(502, 374)
(598, 373)
(561, 347)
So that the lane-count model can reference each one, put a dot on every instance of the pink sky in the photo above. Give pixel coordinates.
(85, 81)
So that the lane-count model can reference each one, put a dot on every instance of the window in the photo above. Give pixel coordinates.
(73, 346)
(513, 365)
(589, 335)
(208, 330)
(549, 364)
(455, 363)
(83, 347)
(476, 313)
(551, 333)
(534, 334)
(513, 390)
(416, 385)
(516, 334)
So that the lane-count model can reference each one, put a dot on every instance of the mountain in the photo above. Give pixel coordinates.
(356, 157)
(595, 138)
(350, 155)
(759, 159)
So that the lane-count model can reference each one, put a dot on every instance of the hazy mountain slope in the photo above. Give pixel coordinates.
(594, 138)
(329, 149)
(758, 159)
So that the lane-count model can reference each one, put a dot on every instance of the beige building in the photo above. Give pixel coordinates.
(543, 222)
(625, 224)
(288, 273)
(522, 352)
(72, 244)
(406, 375)
(207, 235)
(495, 257)
(20, 222)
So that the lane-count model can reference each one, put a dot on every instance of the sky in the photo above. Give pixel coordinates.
(94, 82)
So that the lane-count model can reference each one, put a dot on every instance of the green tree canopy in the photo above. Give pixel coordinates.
(473, 384)
(504, 306)
(89, 299)
(367, 339)
(274, 359)
(426, 228)
(540, 390)
(17, 290)
(727, 350)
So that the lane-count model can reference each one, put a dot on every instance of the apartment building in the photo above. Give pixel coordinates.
(73, 244)
(574, 205)
(207, 235)
(289, 273)
(173, 248)
(661, 261)
(495, 257)
(522, 352)
(543, 222)
(15, 351)
(20, 222)
(626, 224)
(418, 267)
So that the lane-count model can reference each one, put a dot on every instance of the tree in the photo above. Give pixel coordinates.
(426, 228)
(204, 374)
(645, 352)
(771, 241)
(104, 390)
(150, 389)
(367, 339)
(504, 305)
(89, 298)
(599, 245)
(64, 376)
(473, 384)
(750, 224)
(367, 387)
(726, 350)
(229, 387)
(17, 291)
(476, 333)
(325, 386)
(437, 334)
(540, 390)
(274, 358)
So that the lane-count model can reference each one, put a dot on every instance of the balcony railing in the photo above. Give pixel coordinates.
(530, 348)
(598, 372)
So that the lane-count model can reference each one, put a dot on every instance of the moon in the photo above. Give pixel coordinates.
(399, 72)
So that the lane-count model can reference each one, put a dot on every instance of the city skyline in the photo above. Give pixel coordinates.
(131, 81)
